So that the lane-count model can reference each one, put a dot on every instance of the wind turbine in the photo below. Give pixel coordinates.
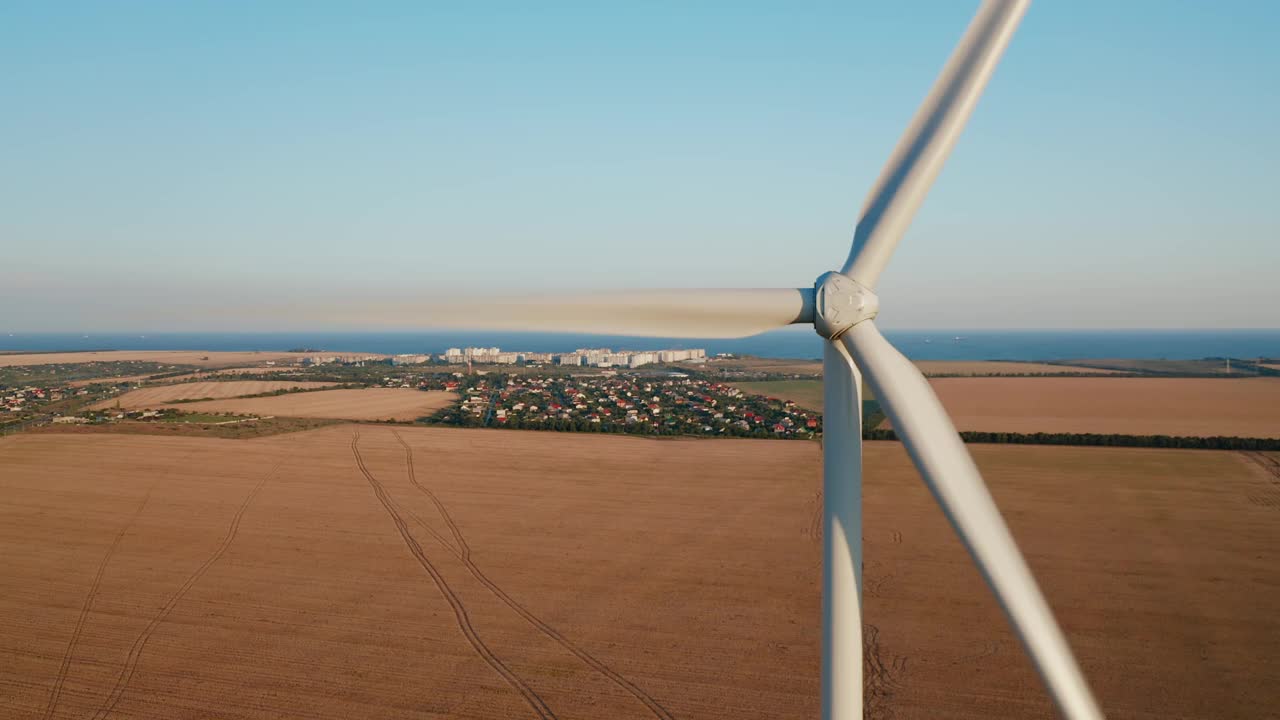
(842, 307)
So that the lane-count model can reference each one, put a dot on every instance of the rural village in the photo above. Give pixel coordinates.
(658, 402)
(596, 390)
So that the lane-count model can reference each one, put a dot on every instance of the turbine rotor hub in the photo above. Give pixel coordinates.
(840, 303)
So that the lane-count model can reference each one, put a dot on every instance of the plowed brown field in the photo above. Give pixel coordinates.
(234, 371)
(930, 367)
(1245, 407)
(153, 397)
(403, 572)
(1000, 367)
(104, 380)
(369, 404)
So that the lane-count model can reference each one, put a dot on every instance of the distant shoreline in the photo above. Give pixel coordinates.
(211, 358)
(791, 343)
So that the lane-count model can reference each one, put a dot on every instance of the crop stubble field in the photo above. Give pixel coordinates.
(363, 571)
(367, 404)
(104, 380)
(929, 367)
(1245, 407)
(1004, 367)
(157, 396)
(222, 372)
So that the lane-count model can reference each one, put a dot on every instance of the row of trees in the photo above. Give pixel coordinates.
(1104, 440)
(1078, 439)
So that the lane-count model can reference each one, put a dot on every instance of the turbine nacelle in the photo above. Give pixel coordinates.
(839, 303)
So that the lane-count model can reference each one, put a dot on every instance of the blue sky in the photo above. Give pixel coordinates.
(189, 166)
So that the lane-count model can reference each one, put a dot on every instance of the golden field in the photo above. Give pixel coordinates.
(929, 367)
(1245, 407)
(156, 396)
(371, 571)
(1002, 367)
(368, 404)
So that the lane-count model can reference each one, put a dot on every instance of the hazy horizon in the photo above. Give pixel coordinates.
(792, 342)
(204, 167)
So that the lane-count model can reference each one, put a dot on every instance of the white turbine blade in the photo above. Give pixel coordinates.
(938, 452)
(725, 313)
(841, 536)
(933, 132)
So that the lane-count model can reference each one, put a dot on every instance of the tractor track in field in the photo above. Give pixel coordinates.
(1271, 496)
(1266, 462)
(881, 681)
(444, 542)
(535, 702)
(65, 667)
(463, 553)
(873, 580)
(987, 649)
(140, 643)
(814, 530)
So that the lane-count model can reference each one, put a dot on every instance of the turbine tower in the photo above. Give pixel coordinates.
(842, 306)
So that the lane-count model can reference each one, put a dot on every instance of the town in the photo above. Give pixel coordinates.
(588, 357)
(675, 404)
(540, 391)
(18, 399)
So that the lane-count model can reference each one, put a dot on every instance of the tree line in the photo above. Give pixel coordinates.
(1217, 442)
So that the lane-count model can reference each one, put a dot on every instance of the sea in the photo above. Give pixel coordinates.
(797, 342)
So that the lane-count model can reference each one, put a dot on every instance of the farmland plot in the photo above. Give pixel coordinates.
(157, 396)
(367, 404)
(371, 571)
(1245, 407)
